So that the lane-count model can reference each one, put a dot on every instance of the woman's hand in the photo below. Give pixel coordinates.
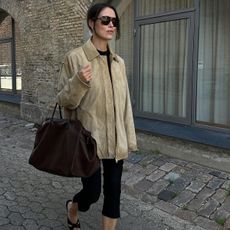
(85, 73)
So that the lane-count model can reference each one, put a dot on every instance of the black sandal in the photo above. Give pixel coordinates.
(71, 225)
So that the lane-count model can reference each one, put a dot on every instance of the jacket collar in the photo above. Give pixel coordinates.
(91, 51)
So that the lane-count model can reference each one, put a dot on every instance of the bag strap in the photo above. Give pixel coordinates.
(60, 113)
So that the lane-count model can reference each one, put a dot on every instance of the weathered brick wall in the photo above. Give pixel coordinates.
(5, 31)
(48, 29)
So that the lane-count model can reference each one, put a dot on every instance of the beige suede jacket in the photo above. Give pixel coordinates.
(103, 108)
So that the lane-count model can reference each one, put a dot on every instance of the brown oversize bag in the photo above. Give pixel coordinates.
(64, 147)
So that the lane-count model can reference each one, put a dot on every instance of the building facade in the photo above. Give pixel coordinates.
(177, 54)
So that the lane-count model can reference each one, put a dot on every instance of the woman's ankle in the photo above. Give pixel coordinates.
(73, 209)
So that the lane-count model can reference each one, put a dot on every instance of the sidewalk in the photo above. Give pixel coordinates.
(159, 192)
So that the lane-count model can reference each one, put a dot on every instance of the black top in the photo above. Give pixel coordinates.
(107, 54)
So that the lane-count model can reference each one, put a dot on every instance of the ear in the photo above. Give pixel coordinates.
(91, 24)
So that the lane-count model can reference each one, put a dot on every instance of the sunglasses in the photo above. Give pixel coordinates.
(105, 20)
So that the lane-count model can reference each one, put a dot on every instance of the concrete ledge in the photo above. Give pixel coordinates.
(10, 108)
(201, 154)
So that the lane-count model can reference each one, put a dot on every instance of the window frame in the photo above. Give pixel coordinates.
(11, 96)
(166, 17)
(190, 130)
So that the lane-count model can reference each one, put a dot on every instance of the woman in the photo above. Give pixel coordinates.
(93, 87)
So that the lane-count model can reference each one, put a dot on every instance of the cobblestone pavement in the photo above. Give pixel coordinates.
(159, 192)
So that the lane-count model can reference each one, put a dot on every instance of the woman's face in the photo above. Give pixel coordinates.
(102, 31)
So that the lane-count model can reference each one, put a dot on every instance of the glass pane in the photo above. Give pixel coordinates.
(149, 7)
(163, 68)
(6, 27)
(5, 67)
(213, 86)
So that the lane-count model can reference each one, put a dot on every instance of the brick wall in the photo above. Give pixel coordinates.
(48, 29)
(5, 32)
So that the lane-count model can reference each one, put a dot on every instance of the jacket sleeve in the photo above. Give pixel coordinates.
(70, 87)
(128, 120)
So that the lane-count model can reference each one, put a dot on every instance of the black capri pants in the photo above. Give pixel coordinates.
(90, 193)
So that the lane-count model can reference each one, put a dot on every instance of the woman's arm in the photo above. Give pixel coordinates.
(71, 88)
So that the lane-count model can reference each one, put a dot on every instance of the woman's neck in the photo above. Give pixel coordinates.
(100, 44)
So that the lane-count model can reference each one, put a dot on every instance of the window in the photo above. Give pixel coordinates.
(10, 67)
(163, 61)
(163, 71)
(213, 83)
(182, 69)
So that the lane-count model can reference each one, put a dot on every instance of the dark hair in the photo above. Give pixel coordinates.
(95, 10)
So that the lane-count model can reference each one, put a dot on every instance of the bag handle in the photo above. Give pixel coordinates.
(60, 113)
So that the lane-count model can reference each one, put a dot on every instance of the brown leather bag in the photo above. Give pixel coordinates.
(64, 147)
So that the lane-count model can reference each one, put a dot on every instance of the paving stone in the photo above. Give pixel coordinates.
(149, 198)
(147, 160)
(166, 195)
(157, 187)
(32, 215)
(206, 223)
(143, 185)
(226, 185)
(50, 213)
(30, 225)
(196, 186)
(126, 174)
(220, 213)
(2, 191)
(132, 191)
(4, 212)
(167, 207)
(215, 173)
(172, 176)
(183, 198)
(50, 223)
(149, 169)
(186, 214)
(3, 221)
(134, 179)
(167, 167)
(208, 208)
(226, 204)
(7, 202)
(159, 162)
(195, 204)
(205, 178)
(205, 194)
(215, 183)
(15, 219)
(12, 227)
(19, 209)
(156, 175)
(131, 211)
(179, 170)
(56, 184)
(35, 206)
(178, 185)
(135, 158)
(224, 175)
(124, 214)
(220, 195)
(136, 168)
